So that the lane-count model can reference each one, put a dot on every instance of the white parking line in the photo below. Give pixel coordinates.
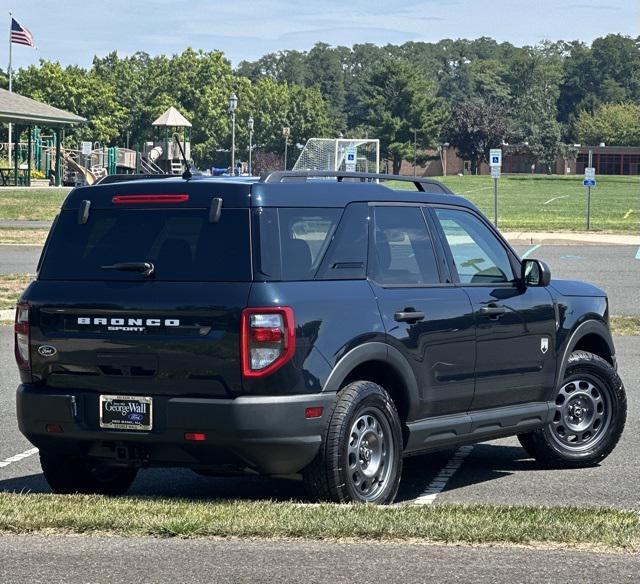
(555, 199)
(439, 482)
(530, 251)
(18, 457)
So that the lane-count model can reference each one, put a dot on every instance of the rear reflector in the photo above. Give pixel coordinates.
(149, 199)
(54, 428)
(314, 412)
(195, 437)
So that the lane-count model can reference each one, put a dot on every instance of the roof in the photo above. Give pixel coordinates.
(16, 108)
(172, 118)
(242, 192)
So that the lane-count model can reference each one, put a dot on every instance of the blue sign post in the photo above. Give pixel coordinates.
(589, 182)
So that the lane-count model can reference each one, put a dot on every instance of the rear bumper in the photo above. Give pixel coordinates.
(269, 435)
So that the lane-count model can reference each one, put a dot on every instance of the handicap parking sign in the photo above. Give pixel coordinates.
(495, 157)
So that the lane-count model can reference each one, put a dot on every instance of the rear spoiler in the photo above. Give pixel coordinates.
(116, 178)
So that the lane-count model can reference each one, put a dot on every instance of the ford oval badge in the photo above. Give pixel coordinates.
(47, 350)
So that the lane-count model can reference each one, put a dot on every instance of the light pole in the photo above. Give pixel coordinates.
(233, 104)
(250, 126)
(285, 132)
(415, 149)
(444, 150)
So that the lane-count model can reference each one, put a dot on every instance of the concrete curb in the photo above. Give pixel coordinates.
(570, 238)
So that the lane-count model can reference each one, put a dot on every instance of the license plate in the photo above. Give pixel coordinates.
(126, 412)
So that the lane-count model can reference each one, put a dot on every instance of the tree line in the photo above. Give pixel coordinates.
(474, 94)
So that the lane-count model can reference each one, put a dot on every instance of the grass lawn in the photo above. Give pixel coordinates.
(31, 204)
(473, 524)
(525, 202)
(30, 236)
(555, 203)
(625, 325)
(11, 286)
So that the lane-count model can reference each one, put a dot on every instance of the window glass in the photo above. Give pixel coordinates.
(293, 241)
(478, 255)
(346, 258)
(404, 252)
(183, 245)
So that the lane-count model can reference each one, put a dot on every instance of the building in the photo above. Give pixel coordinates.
(612, 160)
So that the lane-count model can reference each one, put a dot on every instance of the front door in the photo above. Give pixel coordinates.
(515, 325)
(427, 318)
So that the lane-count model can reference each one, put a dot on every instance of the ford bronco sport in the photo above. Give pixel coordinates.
(323, 326)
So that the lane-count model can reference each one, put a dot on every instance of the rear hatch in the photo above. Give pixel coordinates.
(114, 327)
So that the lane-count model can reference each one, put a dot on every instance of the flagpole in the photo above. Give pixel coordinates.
(10, 77)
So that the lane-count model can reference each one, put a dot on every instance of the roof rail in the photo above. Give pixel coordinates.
(421, 184)
(116, 178)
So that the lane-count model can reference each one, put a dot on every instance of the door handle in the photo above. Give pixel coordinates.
(492, 311)
(409, 316)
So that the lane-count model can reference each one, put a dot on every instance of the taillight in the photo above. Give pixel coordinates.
(268, 339)
(22, 341)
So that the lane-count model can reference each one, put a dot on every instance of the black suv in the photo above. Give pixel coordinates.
(314, 325)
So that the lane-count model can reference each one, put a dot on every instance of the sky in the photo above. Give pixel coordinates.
(73, 31)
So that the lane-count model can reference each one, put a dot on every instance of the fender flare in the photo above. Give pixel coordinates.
(582, 330)
(376, 351)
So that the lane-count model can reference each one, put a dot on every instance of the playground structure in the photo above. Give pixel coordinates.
(92, 161)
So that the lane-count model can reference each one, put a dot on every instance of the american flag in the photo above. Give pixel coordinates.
(21, 35)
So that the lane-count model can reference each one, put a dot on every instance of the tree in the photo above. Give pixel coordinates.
(398, 100)
(79, 91)
(613, 124)
(545, 143)
(474, 127)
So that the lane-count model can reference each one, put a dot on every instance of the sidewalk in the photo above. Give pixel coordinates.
(570, 238)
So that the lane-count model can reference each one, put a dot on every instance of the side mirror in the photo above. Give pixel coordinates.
(535, 273)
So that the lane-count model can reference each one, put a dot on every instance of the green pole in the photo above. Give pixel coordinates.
(58, 158)
(16, 144)
(29, 156)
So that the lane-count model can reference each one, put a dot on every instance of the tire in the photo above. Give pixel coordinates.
(67, 475)
(591, 411)
(360, 459)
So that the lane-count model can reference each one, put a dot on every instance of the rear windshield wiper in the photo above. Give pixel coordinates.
(145, 268)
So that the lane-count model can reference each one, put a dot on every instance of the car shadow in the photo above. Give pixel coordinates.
(487, 462)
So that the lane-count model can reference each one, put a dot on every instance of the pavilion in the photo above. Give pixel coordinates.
(25, 113)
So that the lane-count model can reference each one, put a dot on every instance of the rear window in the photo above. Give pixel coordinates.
(183, 245)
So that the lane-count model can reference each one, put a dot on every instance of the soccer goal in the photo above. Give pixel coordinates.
(344, 154)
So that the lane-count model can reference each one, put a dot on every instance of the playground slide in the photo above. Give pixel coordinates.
(89, 177)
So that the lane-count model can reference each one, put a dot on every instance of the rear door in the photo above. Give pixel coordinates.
(425, 316)
(515, 324)
(173, 332)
